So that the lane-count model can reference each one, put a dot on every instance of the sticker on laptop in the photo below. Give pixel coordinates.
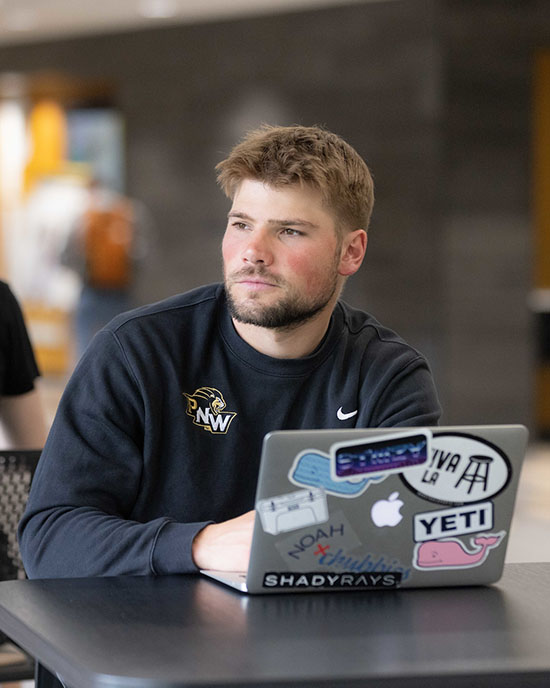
(332, 581)
(387, 512)
(303, 551)
(361, 562)
(311, 468)
(293, 510)
(454, 521)
(453, 554)
(394, 453)
(462, 469)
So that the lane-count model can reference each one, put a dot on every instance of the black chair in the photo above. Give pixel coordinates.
(16, 471)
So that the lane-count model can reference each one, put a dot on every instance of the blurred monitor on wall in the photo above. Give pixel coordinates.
(96, 137)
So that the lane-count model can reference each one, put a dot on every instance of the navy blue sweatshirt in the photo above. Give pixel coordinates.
(159, 430)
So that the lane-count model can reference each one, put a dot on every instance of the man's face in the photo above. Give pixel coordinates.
(281, 255)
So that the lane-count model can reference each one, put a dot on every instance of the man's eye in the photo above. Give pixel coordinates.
(289, 231)
(239, 225)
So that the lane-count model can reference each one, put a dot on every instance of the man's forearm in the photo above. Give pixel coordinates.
(22, 420)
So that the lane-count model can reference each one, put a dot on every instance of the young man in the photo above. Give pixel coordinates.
(152, 461)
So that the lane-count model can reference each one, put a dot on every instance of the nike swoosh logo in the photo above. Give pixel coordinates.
(344, 416)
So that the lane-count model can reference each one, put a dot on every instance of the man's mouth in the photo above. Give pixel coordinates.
(255, 281)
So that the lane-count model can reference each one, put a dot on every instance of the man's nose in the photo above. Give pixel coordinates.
(258, 248)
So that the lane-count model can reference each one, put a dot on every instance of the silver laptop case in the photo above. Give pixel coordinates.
(379, 509)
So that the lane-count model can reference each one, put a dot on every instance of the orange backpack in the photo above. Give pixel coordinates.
(107, 244)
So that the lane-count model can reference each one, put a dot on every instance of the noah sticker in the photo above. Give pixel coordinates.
(462, 469)
(303, 551)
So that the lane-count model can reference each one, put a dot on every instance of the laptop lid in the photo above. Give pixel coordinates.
(383, 508)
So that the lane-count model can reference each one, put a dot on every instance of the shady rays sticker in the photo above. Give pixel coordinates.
(332, 581)
(206, 406)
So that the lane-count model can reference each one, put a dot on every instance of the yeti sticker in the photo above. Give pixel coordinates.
(206, 406)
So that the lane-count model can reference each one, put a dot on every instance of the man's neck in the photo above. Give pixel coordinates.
(295, 342)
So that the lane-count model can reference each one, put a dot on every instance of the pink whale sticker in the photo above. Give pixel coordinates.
(452, 554)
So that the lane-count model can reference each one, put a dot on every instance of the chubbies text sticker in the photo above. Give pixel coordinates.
(461, 470)
(312, 468)
(293, 510)
(362, 562)
(354, 460)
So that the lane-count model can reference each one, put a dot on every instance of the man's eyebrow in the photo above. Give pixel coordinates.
(236, 213)
(296, 222)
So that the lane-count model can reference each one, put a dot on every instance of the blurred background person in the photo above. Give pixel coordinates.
(22, 423)
(105, 248)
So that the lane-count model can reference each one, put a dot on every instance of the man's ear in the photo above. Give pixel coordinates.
(354, 247)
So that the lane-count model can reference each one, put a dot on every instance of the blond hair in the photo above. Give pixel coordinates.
(309, 156)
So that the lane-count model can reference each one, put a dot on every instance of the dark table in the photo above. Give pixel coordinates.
(177, 631)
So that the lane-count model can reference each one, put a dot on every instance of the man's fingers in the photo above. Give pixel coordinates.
(225, 546)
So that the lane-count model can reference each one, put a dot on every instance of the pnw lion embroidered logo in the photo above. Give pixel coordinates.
(206, 408)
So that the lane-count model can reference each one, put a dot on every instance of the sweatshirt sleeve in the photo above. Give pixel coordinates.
(78, 521)
(407, 395)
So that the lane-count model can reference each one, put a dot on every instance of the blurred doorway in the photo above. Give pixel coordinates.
(541, 202)
(57, 132)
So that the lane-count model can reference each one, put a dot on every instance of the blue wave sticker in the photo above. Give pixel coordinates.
(311, 468)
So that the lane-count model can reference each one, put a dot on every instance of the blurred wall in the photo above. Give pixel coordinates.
(435, 94)
(489, 49)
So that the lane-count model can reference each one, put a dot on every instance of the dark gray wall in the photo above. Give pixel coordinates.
(434, 94)
(489, 57)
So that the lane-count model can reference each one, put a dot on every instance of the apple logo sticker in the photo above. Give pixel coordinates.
(385, 512)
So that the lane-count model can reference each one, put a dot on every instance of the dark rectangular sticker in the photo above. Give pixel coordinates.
(332, 581)
(393, 453)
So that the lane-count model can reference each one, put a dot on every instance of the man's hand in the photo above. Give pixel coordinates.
(225, 546)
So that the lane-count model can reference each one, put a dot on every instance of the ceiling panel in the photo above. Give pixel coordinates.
(22, 21)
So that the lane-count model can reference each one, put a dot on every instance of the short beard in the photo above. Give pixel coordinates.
(285, 315)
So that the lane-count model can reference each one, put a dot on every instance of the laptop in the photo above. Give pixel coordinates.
(379, 509)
